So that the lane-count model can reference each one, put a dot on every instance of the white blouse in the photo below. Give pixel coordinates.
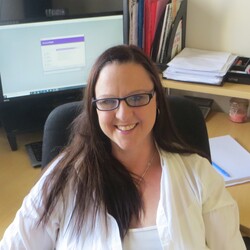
(195, 212)
(146, 238)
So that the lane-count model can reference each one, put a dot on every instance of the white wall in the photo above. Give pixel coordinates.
(219, 25)
(222, 25)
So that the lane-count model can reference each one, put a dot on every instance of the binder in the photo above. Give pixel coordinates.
(150, 7)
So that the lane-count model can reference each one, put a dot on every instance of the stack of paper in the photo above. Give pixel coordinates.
(230, 159)
(202, 66)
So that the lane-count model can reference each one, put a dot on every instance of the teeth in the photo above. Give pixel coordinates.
(125, 128)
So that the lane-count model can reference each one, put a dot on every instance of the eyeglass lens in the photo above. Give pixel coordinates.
(132, 101)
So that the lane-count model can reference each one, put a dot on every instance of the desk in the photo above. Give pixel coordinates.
(219, 124)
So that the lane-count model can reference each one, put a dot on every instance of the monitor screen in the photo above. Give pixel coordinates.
(39, 58)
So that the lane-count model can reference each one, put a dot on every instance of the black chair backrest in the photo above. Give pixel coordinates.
(190, 123)
(187, 117)
(57, 130)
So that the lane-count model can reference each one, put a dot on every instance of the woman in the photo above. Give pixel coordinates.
(126, 180)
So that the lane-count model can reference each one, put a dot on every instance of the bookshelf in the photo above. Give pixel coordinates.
(131, 13)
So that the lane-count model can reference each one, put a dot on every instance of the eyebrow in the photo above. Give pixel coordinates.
(136, 92)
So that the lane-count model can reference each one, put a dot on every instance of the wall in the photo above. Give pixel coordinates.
(218, 25)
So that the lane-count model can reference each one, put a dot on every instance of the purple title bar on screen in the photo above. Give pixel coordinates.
(62, 40)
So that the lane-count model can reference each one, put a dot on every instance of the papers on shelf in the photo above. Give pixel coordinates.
(230, 159)
(201, 66)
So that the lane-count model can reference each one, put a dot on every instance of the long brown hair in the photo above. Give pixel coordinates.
(100, 182)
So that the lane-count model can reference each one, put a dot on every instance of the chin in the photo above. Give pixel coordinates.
(123, 146)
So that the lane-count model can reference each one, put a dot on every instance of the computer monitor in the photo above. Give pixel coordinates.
(39, 58)
(47, 48)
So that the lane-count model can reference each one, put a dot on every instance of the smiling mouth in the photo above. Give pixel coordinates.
(127, 127)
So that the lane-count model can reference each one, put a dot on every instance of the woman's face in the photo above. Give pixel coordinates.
(127, 127)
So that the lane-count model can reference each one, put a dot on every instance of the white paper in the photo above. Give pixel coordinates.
(203, 66)
(200, 60)
(215, 80)
(232, 157)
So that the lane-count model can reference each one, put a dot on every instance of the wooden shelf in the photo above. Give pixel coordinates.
(227, 89)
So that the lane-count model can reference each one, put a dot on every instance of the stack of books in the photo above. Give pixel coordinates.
(199, 66)
(151, 23)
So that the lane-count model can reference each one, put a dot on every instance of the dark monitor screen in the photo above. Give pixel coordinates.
(45, 57)
(17, 11)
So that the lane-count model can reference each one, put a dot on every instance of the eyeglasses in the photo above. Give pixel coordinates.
(137, 100)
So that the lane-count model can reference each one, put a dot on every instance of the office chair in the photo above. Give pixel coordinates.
(187, 117)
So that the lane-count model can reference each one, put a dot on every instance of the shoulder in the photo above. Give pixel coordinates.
(194, 164)
(194, 171)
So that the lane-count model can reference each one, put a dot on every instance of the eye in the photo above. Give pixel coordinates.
(109, 102)
(138, 99)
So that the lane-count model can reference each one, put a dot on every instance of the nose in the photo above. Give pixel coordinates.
(123, 111)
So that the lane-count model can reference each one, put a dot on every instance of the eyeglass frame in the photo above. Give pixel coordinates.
(119, 99)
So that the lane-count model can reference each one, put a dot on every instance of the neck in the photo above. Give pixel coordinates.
(136, 161)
